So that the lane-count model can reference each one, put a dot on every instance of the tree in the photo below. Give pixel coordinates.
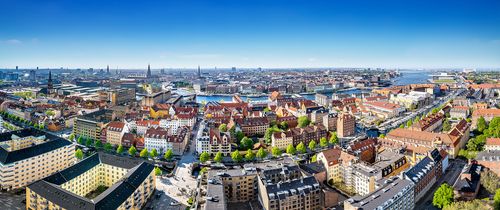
(381, 136)
(89, 142)
(322, 142)
(435, 110)
(266, 109)
(276, 151)
(204, 157)
(158, 171)
(496, 199)
(120, 149)
(153, 153)
(409, 123)
(446, 125)
(246, 143)
(108, 147)
(443, 196)
(79, 154)
(218, 157)
(469, 205)
(144, 153)
(301, 148)
(312, 145)
(402, 126)
(223, 127)
(81, 140)
(98, 144)
(236, 156)
(481, 124)
(490, 181)
(290, 149)
(269, 133)
(284, 125)
(250, 155)
(132, 150)
(239, 135)
(261, 153)
(303, 121)
(71, 137)
(314, 158)
(334, 139)
(168, 155)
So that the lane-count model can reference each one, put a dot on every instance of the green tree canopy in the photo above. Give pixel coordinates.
(303, 121)
(168, 155)
(301, 148)
(481, 124)
(443, 196)
(334, 139)
(323, 142)
(108, 147)
(204, 157)
(475, 204)
(381, 136)
(261, 153)
(239, 135)
(71, 137)
(490, 181)
(269, 133)
(312, 145)
(98, 144)
(284, 125)
(290, 149)
(236, 156)
(276, 151)
(446, 125)
(218, 157)
(223, 127)
(89, 142)
(250, 155)
(409, 123)
(246, 143)
(314, 158)
(132, 151)
(120, 149)
(153, 153)
(158, 171)
(81, 140)
(144, 153)
(79, 154)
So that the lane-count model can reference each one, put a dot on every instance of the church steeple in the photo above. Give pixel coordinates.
(148, 75)
(50, 86)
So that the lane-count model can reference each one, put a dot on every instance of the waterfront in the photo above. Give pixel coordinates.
(408, 77)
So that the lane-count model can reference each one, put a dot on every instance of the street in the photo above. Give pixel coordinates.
(10, 200)
(163, 202)
(182, 184)
(449, 177)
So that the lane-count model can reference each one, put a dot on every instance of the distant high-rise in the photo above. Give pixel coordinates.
(162, 71)
(148, 75)
(107, 69)
(199, 72)
(17, 68)
(32, 75)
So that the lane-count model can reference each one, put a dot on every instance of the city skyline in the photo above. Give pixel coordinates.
(250, 34)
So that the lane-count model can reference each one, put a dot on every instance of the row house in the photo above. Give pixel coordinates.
(430, 123)
(115, 131)
(219, 142)
(255, 126)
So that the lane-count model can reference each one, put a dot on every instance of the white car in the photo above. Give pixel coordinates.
(174, 203)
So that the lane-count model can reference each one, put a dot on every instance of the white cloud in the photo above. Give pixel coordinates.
(312, 59)
(12, 41)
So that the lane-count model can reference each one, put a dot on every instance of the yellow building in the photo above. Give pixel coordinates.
(101, 181)
(29, 155)
(91, 125)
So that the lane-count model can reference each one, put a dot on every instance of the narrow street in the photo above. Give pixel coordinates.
(450, 177)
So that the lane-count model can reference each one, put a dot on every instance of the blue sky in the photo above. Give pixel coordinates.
(258, 33)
